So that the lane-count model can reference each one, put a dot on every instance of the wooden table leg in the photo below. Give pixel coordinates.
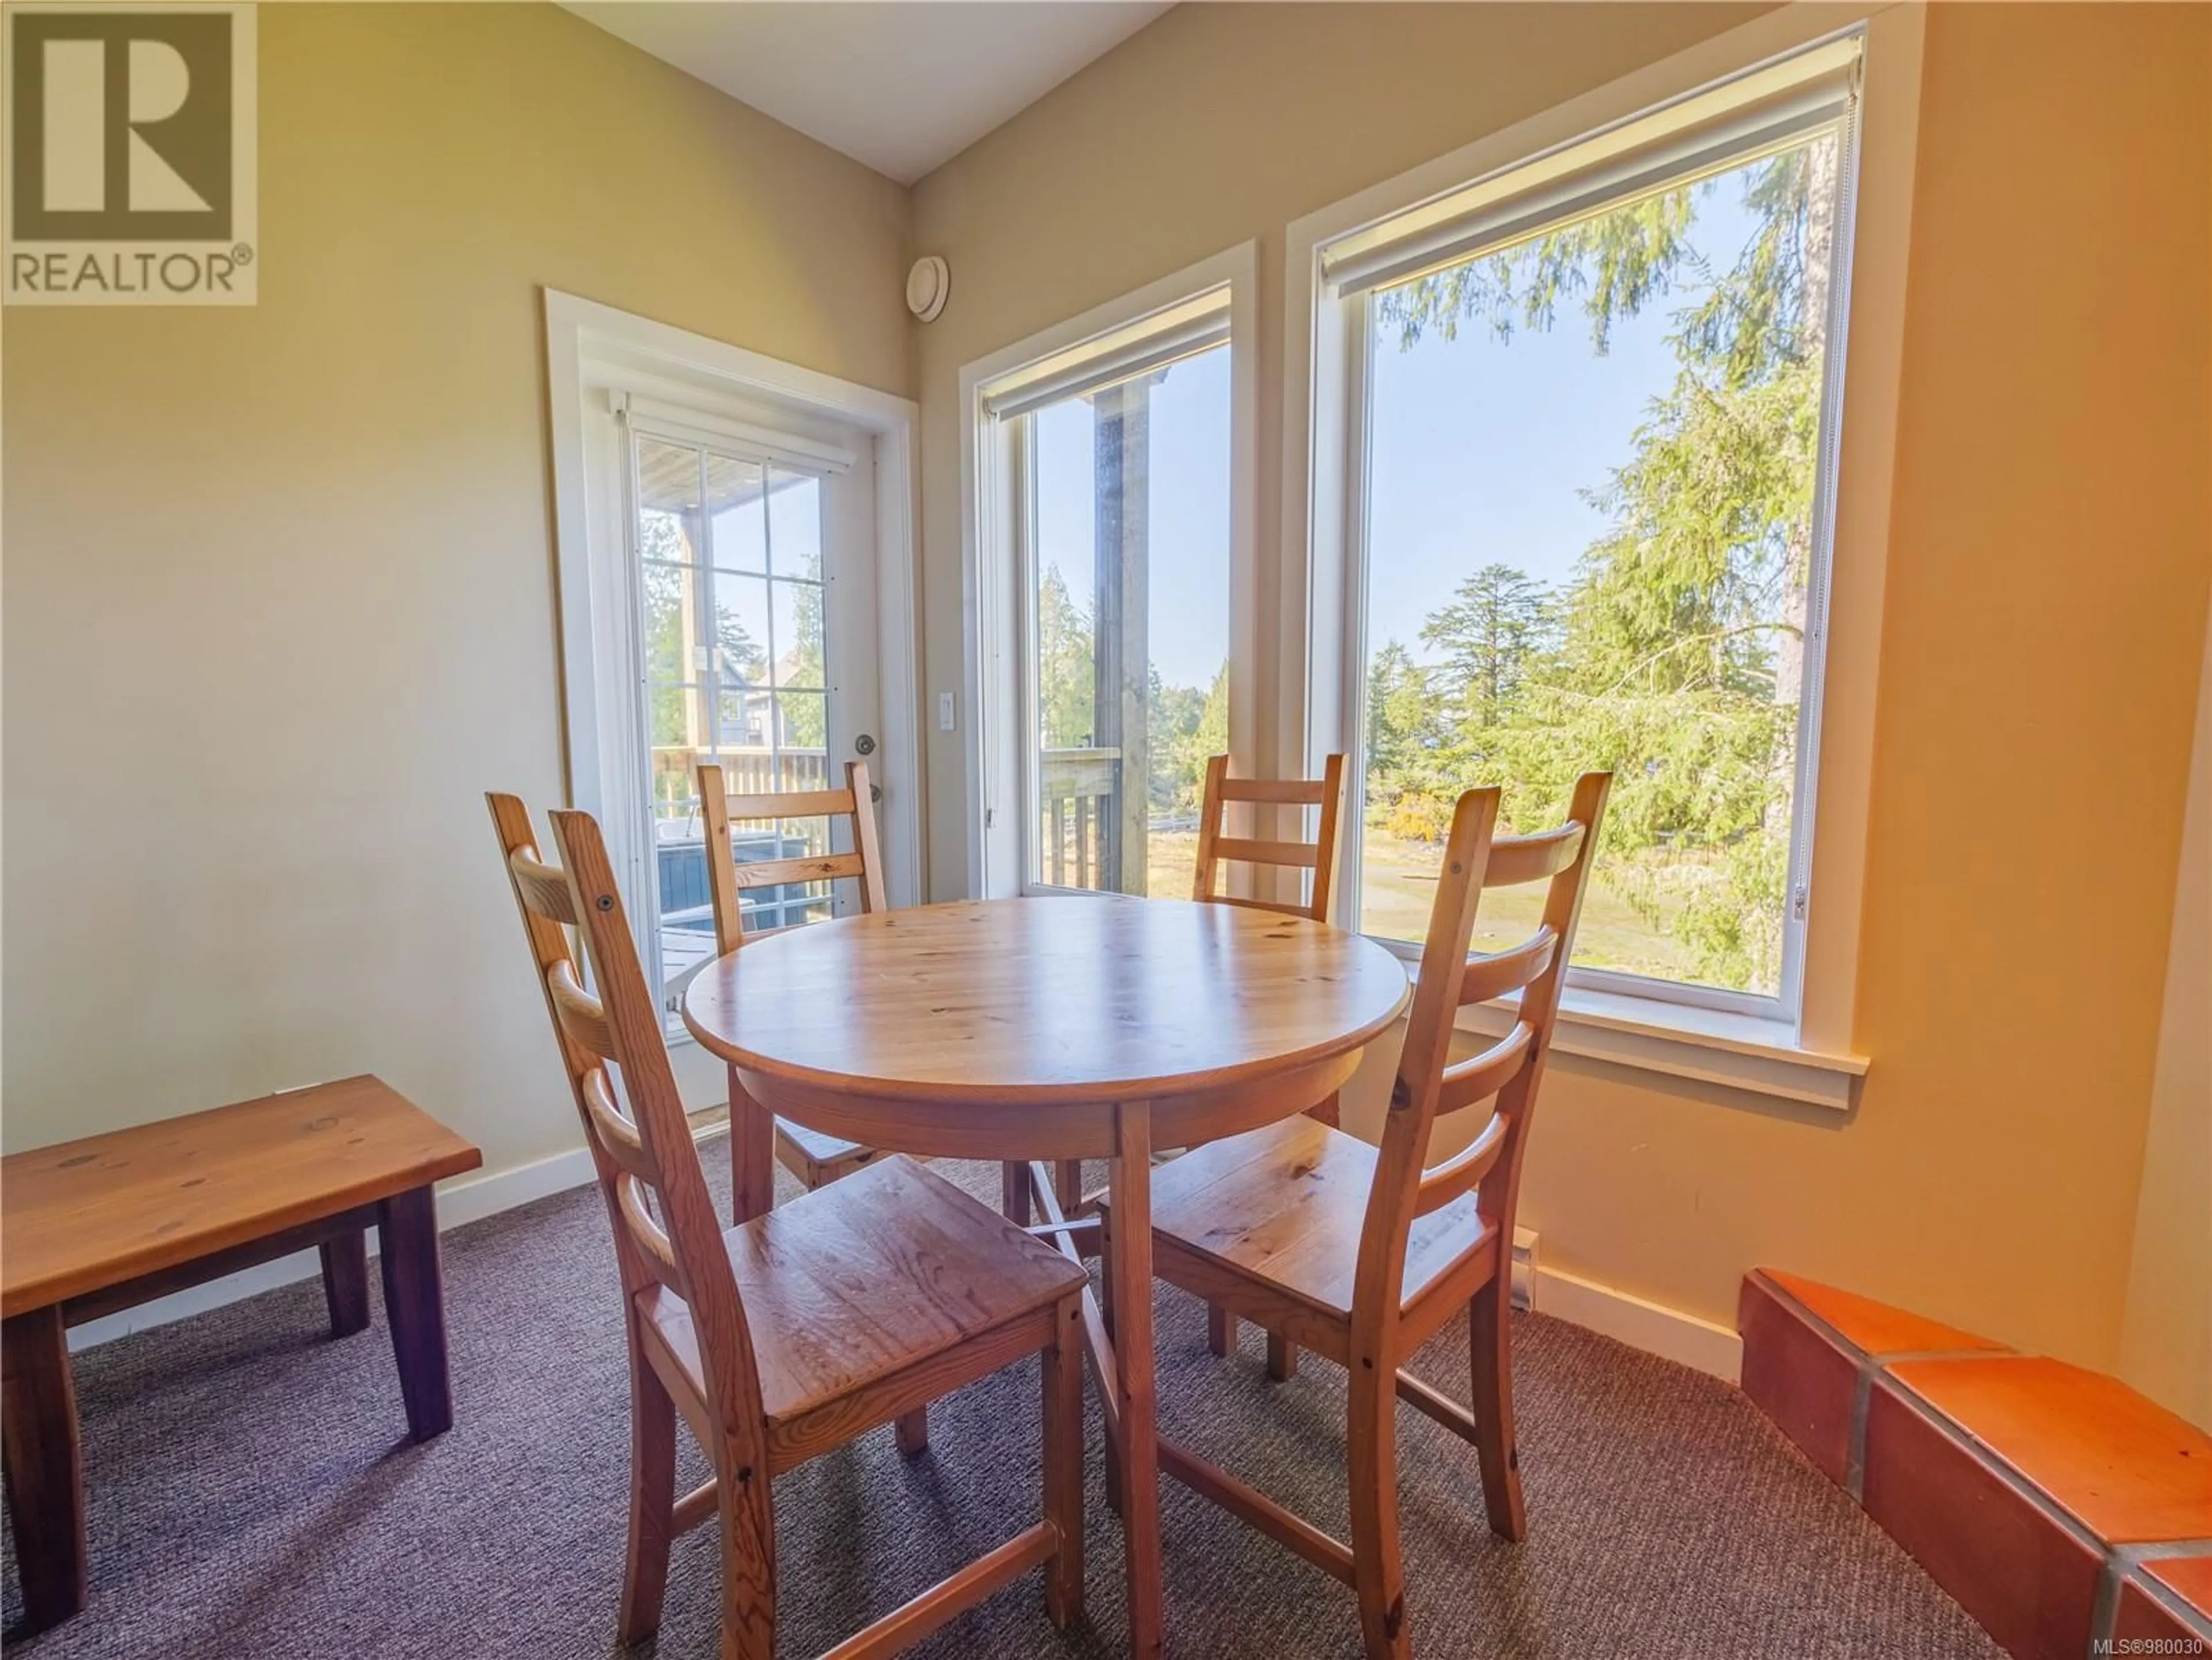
(752, 1154)
(345, 1282)
(45, 1460)
(1129, 1270)
(415, 1303)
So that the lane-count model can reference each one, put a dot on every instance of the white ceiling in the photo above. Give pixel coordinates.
(901, 85)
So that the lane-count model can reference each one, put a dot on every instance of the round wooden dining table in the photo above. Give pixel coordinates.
(1035, 1032)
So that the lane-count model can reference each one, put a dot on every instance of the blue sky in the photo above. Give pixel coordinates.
(1189, 520)
(1481, 451)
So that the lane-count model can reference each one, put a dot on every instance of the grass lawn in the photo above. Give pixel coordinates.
(1401, 883)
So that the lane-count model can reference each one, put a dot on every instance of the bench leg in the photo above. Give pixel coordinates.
(414, 1301)
(45, 1460)
(345, 1282)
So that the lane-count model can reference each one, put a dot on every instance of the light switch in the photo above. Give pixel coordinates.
(945, 711)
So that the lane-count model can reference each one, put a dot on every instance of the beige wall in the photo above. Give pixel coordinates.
(279, 580)
(2046, 595)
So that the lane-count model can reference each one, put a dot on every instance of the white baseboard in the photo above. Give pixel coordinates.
(471, 1199)
(1651, 1326)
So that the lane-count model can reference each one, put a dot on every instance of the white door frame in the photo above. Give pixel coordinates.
(578, 330)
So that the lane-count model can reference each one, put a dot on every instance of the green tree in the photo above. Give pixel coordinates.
(1494, 626)
(1679, 639)
(1066, 677)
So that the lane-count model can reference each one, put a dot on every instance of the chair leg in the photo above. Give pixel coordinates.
(1490, 1346)
(1220, 1330)
(651, 1502)
(1106, 1319)
(1378, 1573)
(1282, 1358)
(748, 1560)
(913, 1432)
(1063, 1464)
(1014, 1192)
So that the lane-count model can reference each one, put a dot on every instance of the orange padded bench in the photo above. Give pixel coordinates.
(2060, 1507)
(90, 1227)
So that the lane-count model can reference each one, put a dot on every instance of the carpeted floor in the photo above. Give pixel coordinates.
(251, 1496)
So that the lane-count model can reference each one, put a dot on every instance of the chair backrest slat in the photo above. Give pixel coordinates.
(666, 1230)
(727, 880)
(1302, 854)
(1495, 973)
(543, 889)
(777, 872)
(1216, 847)
(1514, 860)
(1481, 1076)
(582, 1018)
(1276, 791)
(1428, 1083)
(617, 1134)
(646, 1232)
(1459, 1174)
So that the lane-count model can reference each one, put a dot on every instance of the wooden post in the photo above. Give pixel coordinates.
(1121, 423)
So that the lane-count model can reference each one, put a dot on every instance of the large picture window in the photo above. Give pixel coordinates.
(1594, 481)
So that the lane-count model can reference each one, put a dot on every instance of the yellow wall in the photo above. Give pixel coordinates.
(279, 580)
(2166, 1344)
(2047, 584)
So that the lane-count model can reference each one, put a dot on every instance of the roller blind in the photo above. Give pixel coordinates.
(1755, 113)
(1150, 343)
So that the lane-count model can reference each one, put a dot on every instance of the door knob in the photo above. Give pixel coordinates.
(864, 744)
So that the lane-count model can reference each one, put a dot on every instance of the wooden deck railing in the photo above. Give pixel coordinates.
(1078, 791)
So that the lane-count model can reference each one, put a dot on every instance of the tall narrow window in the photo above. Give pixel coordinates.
(1128, 660)
(1595, 502)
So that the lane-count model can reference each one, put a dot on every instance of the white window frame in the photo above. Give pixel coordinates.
(1116, 338)
(1799, 1045)
(704, 392)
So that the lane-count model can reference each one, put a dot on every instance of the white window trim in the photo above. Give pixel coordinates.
(1810, 1057)
(992, 554)
(604, 759)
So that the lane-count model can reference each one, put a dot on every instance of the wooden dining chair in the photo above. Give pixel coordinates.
(1362, 1252)
(787, 1335)
(1319, 857)
(1216, 848)
(759, 1142)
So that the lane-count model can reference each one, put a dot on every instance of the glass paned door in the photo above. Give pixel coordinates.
(738, 561)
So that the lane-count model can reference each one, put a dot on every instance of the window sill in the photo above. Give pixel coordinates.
(1735, 1051)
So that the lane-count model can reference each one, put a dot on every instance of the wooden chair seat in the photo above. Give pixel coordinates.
(849, 1286)
(1267, 1225)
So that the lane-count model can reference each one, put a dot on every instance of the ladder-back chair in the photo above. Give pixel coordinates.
(738, 1332)
(1362, 1252)
(1216, 848)
(758, 1140)
(1321, 855)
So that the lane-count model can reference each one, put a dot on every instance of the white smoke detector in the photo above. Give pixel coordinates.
(927, 285)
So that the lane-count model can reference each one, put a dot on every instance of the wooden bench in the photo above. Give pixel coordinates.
(90, 1227)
